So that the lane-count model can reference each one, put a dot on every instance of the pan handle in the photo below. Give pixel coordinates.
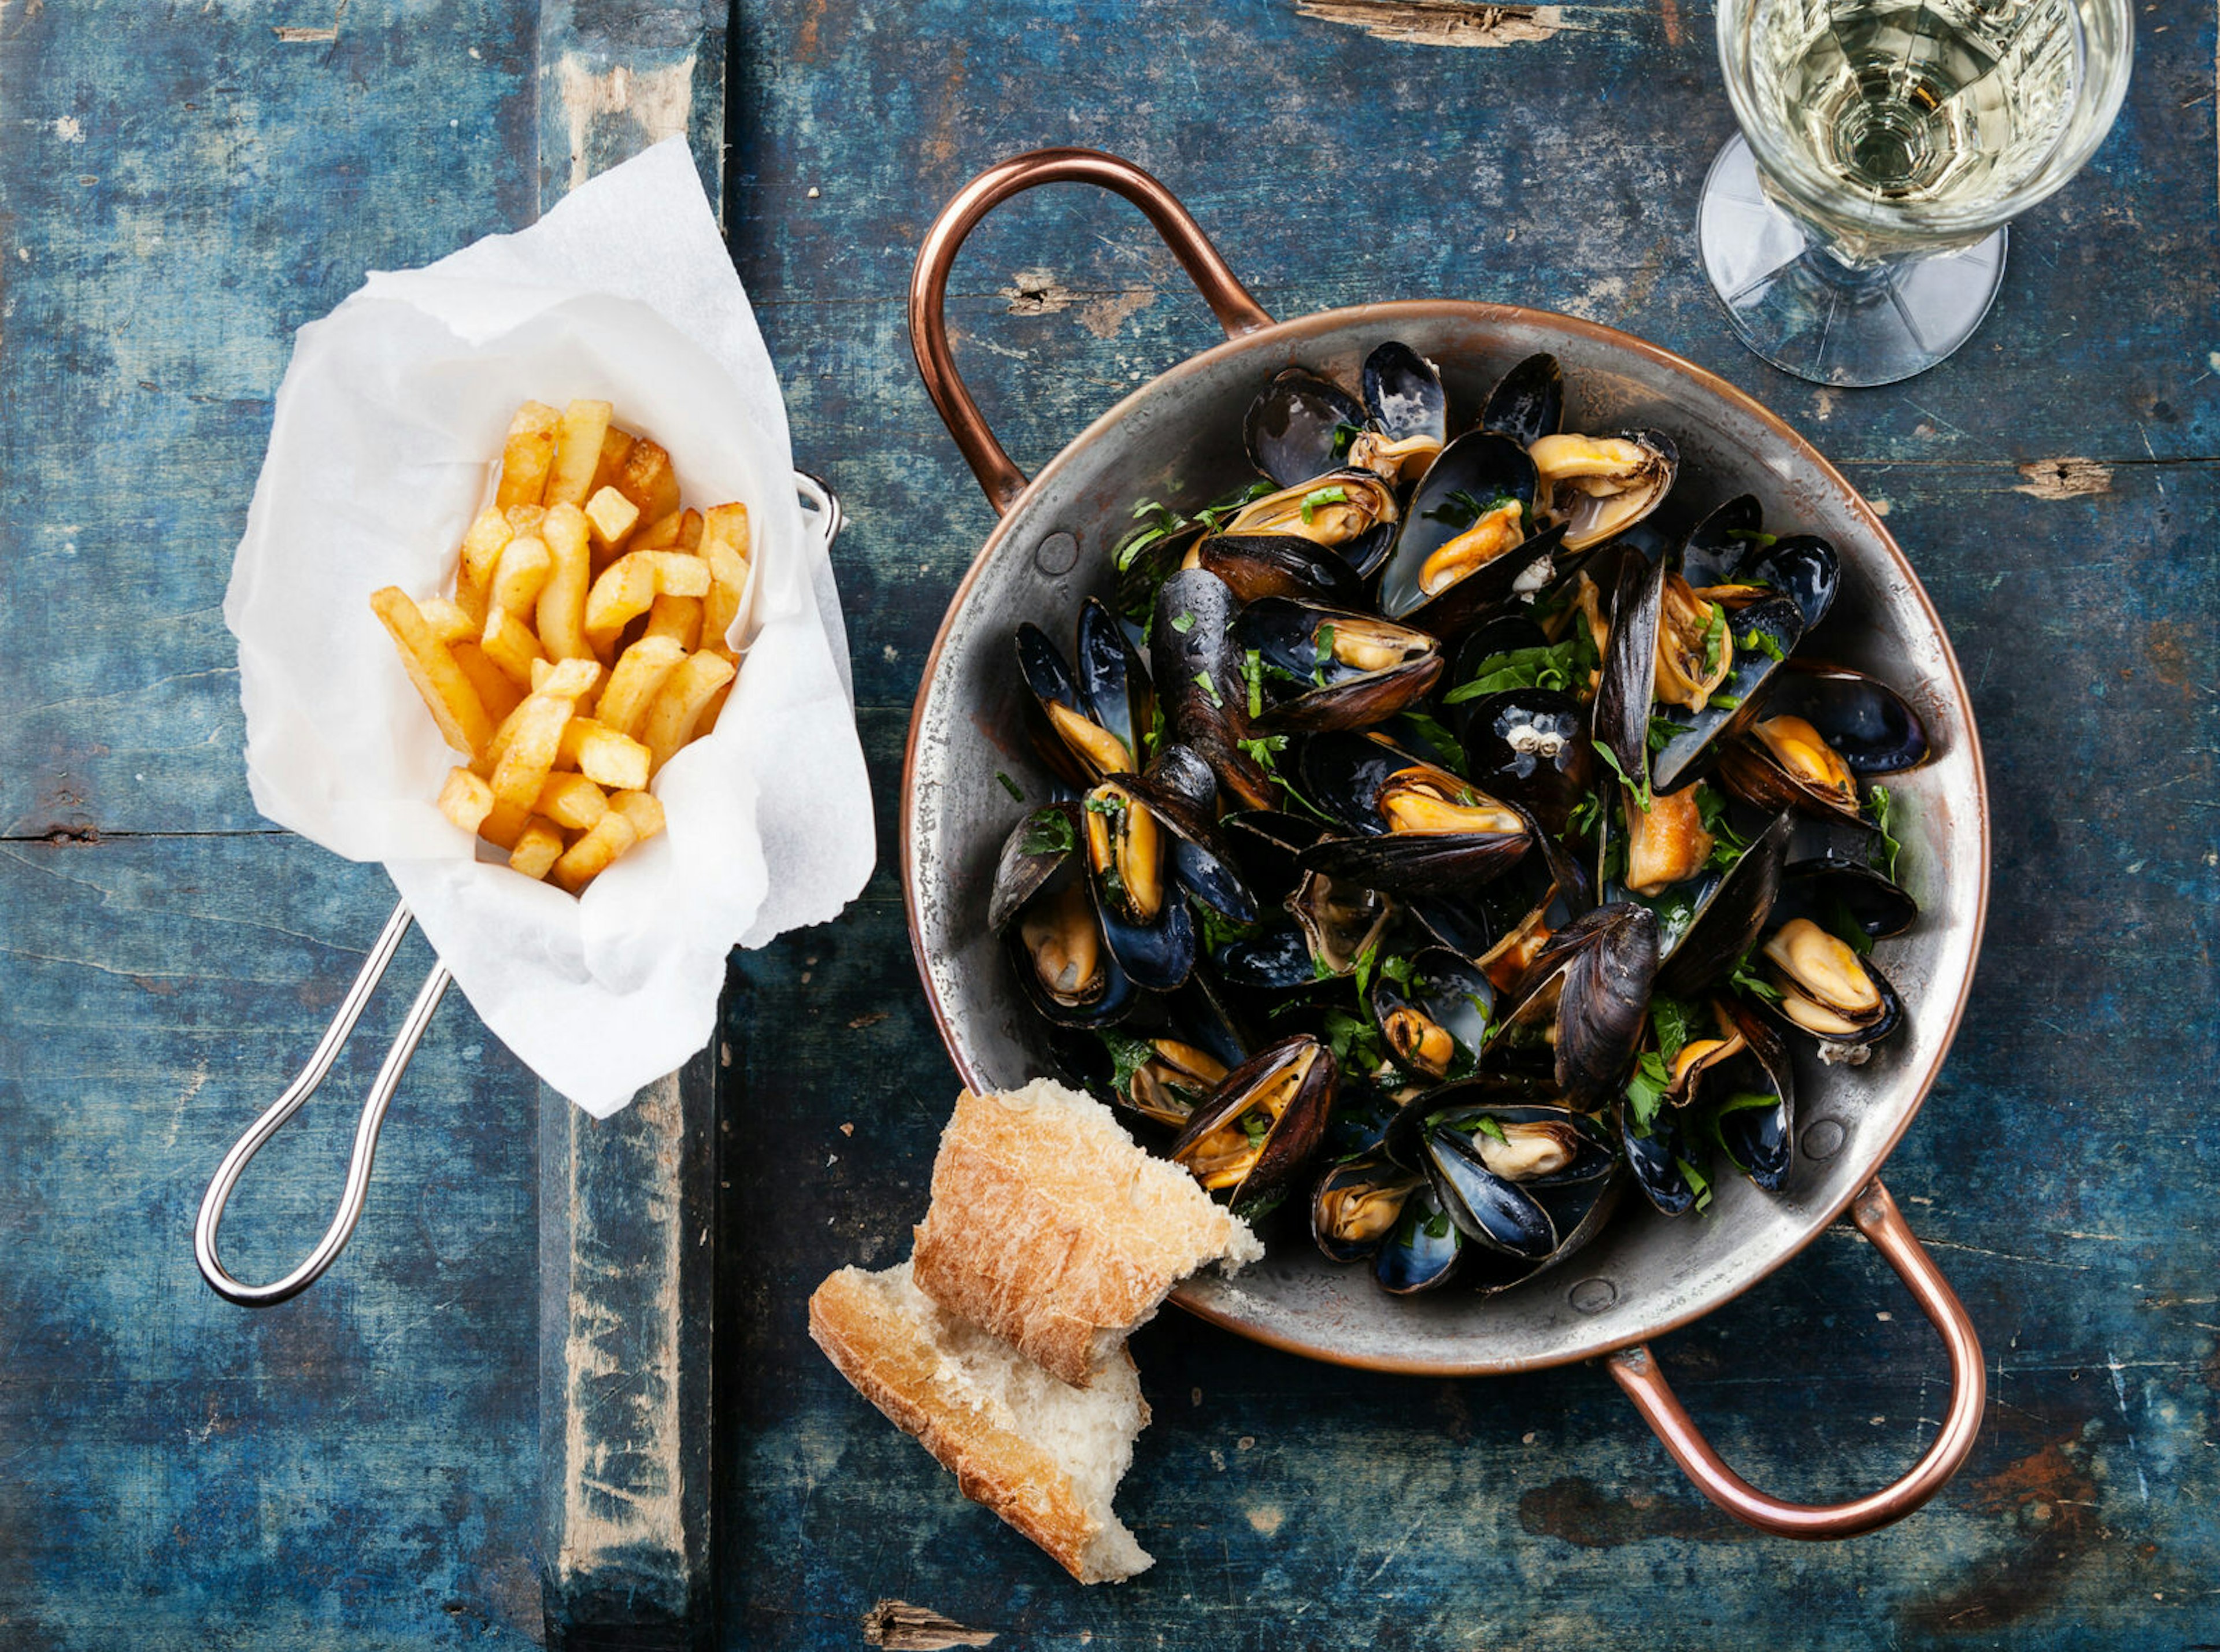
(1878, 1217)
(1237, 312)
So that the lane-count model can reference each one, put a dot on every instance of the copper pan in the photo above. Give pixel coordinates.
(1178, 437)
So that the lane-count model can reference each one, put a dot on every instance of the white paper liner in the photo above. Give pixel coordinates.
(386, 427)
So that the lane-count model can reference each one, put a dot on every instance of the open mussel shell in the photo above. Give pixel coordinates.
(1340, 921)
(1598, 487)
(1178, 791)
(1434, 1018)
(1059, 721)
(1803, 567)
(1582, 1005)
(1498, 1213)
(1258, 565)
(1657, 1161)
(1579, 1213)
(1358, 1205)
(1051, 929)
(1756, 768)
(1202, 686)
(1159, 1063)
(1351, 510)
(1327, 668)
(1871, 726)
(1143, 914)
(1403, 394)
(1730, 915)
(1755, 675)
(1837, 894)
(1036, 848)
(1252, 1136)
(1529, 746)
(1750, 1103)
(1619, 721)
(1528, 402)
(1518, 1180)
(1112, 678)
(1425, 1251)
(1419, 863)
(1716, 546)
(1830, 993)
(1469, 541)
(1299, 426)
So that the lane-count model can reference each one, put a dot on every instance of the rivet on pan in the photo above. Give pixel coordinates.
(1057, 555)
(1593, 1295)
(1822, 1139)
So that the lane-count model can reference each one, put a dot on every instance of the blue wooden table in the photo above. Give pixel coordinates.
(181, 187)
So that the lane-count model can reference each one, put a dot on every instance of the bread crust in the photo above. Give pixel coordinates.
(1051, 1229)
(893, 1362)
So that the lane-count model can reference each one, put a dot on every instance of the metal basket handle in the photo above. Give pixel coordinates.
(243, 1151)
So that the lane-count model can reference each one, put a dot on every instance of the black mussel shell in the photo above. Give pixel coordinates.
(1425, 1251)
(1294, 430)
(1718, 545)
(1201, 685)
(1250, 1181)
(1462, 923)
(1435, 1019)
(1156, 955)
(1276, 959)
(1342, 772)
(1111, 1000)
(1112, 676)
(1357, 1206)
(1362, 1112)
(1758, 1137)
(1267, 842)
(1403, 394)
(1257, 565)
(1501, 1215)
(1528, 403)
(1050, 681)
(1202, 862)
(1841, 895)
(1141, 568)
(1530, 746)
(1178, 773)
(1174, 1051)
(1730, 918)
(1420, 862)
(1702, 735)
(1469, 479)
(1601, 968)
(1341, 919)
(1313, 670)
(1579, 1214)
(1657, 1161)
(1035, 851)
(1621, 717)
(1513, 1111)
(1871, 726)
(1853, 1049)
(1747, 768)
(1803, 567)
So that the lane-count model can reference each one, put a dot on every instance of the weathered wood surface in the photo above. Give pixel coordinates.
(358, 1468)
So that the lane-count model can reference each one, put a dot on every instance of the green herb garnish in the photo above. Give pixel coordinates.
(1723, 703)
(1443, 743)
(1715, 637)
(1163, 522)
(1765, 643)
(1675, 1022)
(1211, 515)
(1751, 536)
(1048, 832)
(1697, 1183)
(1202, 680)
(1321, 653)
(1252, 672)
(1488, 1125)
(1663, 731)
(1317, 496)
(1128, 1055)
(1645, 1091)
(1882, 804)
(1009, 785)
(1438, 1226)
(1183, 623)
(1642, 797)
(1554, 667)
(1343, 435)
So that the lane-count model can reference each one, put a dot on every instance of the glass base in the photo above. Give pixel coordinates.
(1813, 316)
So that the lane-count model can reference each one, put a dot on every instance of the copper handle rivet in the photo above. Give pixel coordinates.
(1823, 1139)
(1057, 555)
(1592, 1295)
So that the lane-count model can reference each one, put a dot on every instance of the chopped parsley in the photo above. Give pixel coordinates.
(1586, 816)
(1397, 969)
(1354, 1041)
(1128, 1055)
(1765, 643)
(1751, 536)
(1549, 667)
(1211, 515)
(1321, 653)
(1882, 805)
(1697, 1183)
(1715, 638)
(1488, 1125)
(1844, 923)
(1443, 743)
(1264, 749)
(1343, 435)
(1048, 832)
(1203, 680)
(1642, 797)
(1256, 1127)
(1728, 844)
(1645, 1091)
(1183, 623)
(1663, 731)
(1318, 496)
(1009, 786)
(1723, 703)
(1252, 672)
(1367, 962)
(1438, 1226)
(1162, 522)
(1740, 978)
(1675, 1022)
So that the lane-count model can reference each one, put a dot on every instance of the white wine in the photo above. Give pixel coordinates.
(1909, 111)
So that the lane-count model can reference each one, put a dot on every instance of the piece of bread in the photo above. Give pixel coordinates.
(1051, 1229)
(1044, 1455)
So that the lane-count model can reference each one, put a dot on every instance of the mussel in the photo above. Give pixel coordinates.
(1421, 828)
(1320, 667)
(1579, 1010)
(1045, 910)
(1828, 991)
(1250, 1136)
(1596, 486)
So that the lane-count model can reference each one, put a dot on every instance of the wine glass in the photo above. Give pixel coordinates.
(1855, 229)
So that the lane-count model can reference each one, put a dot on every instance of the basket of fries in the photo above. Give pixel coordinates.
(532, 608)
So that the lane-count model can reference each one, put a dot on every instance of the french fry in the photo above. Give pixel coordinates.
(616, 447)
(526, 519)
(643, 809)
(638, 678)
(603, 755)
(627, 586)
(648, 481)
(483, 545)
(454, 705)
(689, 531)
(496, 693)
(728, 584)
(728, 523)
(574, 679)
(612, 516)
(526, 563)
(526, 457)
(470, 598)
(588, 858)
(671, 720)
(539, 846)
(563, 598)
(659, 535)
(535, 735)
(504, 824)
(713, 706)
(570, 801)
(678, 618)
(510, 645)
(447, 619)
(578, 454)
(465, 799)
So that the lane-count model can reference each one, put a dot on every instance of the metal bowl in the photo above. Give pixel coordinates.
(1178, 438)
